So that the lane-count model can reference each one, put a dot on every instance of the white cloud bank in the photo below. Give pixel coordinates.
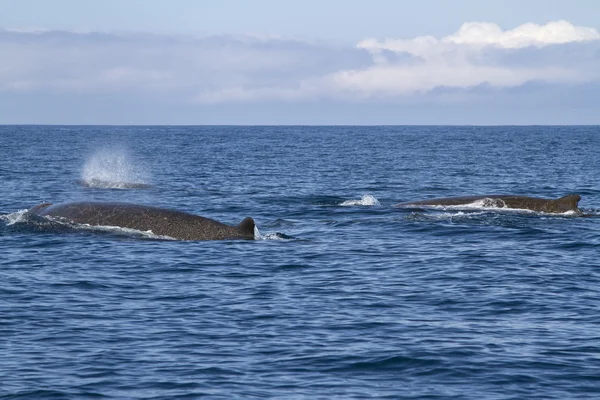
(522, 36)
(465, 59)
(488, 34)
(459, 60)
(242, 69)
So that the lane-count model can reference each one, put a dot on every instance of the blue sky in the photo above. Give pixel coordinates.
(299, 62)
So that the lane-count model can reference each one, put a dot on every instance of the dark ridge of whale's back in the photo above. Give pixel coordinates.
(561, 205)
(160, 221)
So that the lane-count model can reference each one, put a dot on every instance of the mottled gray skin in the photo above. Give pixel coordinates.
(164, 222)
(556, 206)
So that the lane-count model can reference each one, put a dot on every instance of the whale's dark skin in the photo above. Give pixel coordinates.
(161, 221)
(554, 206)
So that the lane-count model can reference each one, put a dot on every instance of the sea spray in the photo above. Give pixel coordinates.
(366, 200)
(112, 167)
(15, 217)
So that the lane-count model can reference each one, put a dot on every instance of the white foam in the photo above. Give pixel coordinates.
(120, 230)
(485, 204)
(13, 218)
(570, 213)
(443, 215)
(366, 200)
(106, 228)
(273, 236)
(113, 168)
(473, 211)
(267, 236)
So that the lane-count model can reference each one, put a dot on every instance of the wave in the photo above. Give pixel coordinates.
(274, 236)
(14, 218)
(366, 200)
(270, 236)
(486, 216)
(591, 212)
(446, 216)
(118, 230)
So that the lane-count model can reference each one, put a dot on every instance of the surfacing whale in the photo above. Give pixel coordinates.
(160, 221)
(553, 206)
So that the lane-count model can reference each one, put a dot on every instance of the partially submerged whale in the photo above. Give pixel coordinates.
(160, 221)
(554, 206)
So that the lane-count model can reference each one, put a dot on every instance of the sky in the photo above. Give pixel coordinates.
(266, 62)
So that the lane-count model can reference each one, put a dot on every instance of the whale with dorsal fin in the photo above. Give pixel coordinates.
(553, 206)
(160, 221)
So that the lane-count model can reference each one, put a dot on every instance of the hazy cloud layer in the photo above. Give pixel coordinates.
(479, 53)
(64, 61)
(478, 60)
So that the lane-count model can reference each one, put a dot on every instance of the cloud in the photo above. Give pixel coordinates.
(162, 65)
(470, 57)
(476, 35)
(403, 80)
(213, 70)
(478, 54)
(558, 32)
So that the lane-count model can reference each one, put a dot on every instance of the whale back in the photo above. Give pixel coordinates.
(160, 221)
(566, 203)
(560, 205)
(554, 206)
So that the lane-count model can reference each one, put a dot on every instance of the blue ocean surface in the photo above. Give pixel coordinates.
(342, 296)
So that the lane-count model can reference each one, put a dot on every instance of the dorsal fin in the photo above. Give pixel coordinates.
(247, 227)
(566, 203)
(36, 209)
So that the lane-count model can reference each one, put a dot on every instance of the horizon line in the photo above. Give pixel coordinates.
(307, 125)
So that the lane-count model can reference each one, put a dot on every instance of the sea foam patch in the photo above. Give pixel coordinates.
(366, 200)
(16, 217)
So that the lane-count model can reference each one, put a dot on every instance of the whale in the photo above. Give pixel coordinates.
(160, 221)
(553, 206)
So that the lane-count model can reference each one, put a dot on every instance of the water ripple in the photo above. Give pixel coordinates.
(355, 300)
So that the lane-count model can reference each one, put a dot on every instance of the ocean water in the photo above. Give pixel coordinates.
(344, 295)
